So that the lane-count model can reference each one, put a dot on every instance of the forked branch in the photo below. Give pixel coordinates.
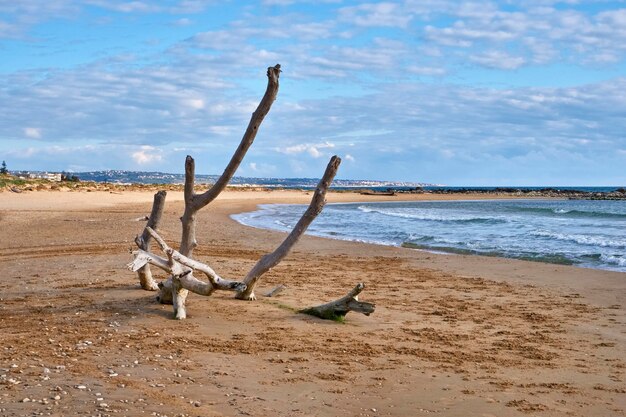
(194, 202)
(180, 264)
(189, 281)
(182, 280)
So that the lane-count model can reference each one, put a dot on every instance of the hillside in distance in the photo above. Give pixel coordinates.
(144, 177)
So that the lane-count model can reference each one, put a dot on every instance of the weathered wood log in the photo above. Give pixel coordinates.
(273, 74)
(215, 281)
(269, 261)
(337, 310)
(181, 278)
(142, 258)
(181, 269)
(143, 242)
(176, 286)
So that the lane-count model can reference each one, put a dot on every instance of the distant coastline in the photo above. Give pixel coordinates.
(119, 180)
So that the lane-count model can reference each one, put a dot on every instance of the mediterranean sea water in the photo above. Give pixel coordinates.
(586, 233)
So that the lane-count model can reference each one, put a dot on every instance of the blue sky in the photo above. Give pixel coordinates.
(453, 92)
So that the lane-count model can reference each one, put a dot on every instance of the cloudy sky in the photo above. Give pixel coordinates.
(461, 93)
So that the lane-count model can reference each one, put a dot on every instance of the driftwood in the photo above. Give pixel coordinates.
(181, 267)
(143, 242)
(336, 310)
(182, 280)
(170, 293)
(180, 263)
(193, 201)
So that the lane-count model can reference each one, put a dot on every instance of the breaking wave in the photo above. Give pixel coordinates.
(435, 216)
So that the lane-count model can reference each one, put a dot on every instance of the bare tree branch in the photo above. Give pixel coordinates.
(180, 264)
(143, 242)
(215, 281)
(188, 238)
(273, 73)
(269, 261)
(194, 202)
(142, 258)
(336, 310)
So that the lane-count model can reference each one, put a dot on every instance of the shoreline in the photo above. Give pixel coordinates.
(434, 198)
(74, 199)
(237, 201)
(453, 335)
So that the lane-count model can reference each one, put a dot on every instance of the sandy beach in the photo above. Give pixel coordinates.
(451, 336)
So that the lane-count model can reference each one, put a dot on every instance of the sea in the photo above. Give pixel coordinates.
(585, 233)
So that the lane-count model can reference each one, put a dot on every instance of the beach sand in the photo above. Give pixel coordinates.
(451, 336)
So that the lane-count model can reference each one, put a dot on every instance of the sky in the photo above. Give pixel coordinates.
(449, 92)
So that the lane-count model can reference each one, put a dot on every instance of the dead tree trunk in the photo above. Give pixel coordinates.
(269, 261)
(180, 265)
(169, 290)
(143, 242)
(180, 283)
(337, 310)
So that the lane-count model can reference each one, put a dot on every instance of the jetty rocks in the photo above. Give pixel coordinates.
(567, 193)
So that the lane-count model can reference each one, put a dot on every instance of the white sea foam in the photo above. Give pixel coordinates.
(614, 259)
(601, 241)
(430, 215)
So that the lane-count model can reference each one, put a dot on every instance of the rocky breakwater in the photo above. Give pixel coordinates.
(572, 194)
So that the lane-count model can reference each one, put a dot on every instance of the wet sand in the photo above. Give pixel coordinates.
(452, 335)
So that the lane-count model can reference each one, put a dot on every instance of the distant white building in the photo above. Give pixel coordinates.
(50, 176)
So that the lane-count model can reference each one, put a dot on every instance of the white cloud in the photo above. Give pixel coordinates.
(426, 71)
(146, 155)
(314, 150)
(462, 35)
(278, 2)
(499, 60)
(258, 169)
(183, 22)
(125, 6)
(32, 132)
(376, 15)
(194, 103)
(353, 70)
